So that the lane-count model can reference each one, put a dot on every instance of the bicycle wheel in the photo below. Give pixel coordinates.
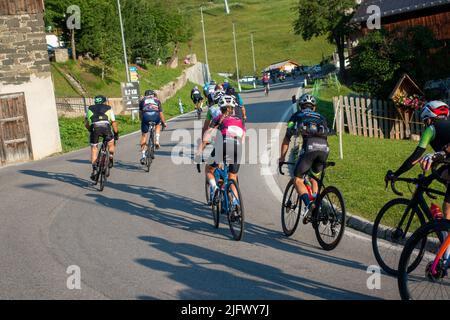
(290, 209)
(421, 283)
(207, 193)
(216, 209)
(329, 221)
(107, 168)
(389, 234)
(236, 211)
(102, 175)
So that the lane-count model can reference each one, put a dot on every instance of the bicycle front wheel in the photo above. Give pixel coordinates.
(393, 226)
(424, 283)
(329, 221)
(290, 209)
(236, 210)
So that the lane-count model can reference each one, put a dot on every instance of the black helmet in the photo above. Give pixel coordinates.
(100, 99)
(149, 93)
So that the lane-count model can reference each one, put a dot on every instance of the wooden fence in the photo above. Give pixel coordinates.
(373, 118)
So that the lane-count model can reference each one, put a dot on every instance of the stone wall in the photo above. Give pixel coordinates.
(25, 67)
(23, 48)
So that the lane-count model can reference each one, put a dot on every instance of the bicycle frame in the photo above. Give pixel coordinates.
(223, 174)
(440, 254)
(418, 202)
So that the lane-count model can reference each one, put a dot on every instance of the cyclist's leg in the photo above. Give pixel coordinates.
(302, 167)
(144, 130)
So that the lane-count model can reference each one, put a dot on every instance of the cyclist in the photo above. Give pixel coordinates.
(240, 110)
(150, 111)
(212, 116)
(313, 128)
(210, 92)
(437, 134)
(100, 119)
(232, 131)
(197, 98)
(226, 85)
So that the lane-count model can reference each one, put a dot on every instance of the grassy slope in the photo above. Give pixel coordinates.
(74, 136)
(89, 74)
(270, 21)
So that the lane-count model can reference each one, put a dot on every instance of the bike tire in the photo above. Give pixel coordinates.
(207, 193)
(331, 211)
(107, 168)
(289, 230)
(379, 234)
(216, 210)
(102, 178)
(421, 235)
(237, 229)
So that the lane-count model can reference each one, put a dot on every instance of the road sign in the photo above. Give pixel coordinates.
(130, 95)
(134, 76)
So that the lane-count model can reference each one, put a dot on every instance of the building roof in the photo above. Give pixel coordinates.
(278, 65)
(395, 7)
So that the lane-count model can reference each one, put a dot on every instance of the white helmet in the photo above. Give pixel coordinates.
(434, 110)
(306, 99)
(218, 95)
(227, 101)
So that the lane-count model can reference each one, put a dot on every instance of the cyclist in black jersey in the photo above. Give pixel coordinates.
(313, 128)
(437, 134)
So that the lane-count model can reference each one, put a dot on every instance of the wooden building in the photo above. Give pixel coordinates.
(403, 14)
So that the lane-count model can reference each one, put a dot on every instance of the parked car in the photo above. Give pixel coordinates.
(247, 79)
(51, 52)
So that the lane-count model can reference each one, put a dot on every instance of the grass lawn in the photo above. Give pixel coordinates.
(271, 23)
(89, 74)
(75, 136)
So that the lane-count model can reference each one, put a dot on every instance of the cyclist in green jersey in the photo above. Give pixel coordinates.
(437, 135)
(99, 120)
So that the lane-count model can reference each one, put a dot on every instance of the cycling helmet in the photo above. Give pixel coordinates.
(227, 101)
(434, 110)
(218, 95)
(100, 99)
(150, 93)
(306, 100)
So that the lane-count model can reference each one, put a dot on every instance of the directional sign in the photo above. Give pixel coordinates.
(134, 76)
(130, 95)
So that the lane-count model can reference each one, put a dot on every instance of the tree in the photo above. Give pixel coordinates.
(373, 69)
(326, 17)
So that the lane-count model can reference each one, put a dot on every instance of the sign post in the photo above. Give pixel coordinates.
(130, 96)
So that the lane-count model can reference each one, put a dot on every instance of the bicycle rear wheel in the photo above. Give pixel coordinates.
(290, 209)
(421, 283)
(329, 221)
(389, 234)
(236, 211)
(208, 193)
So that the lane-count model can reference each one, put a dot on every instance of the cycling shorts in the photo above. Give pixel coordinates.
(232, 152)
(100, 131)
(313, 157)
(147, 118)
(197, 99)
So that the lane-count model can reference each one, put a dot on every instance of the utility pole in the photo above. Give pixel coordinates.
(123, 42)
(204, 42)
(254, 60)
(236, 54)
(227, 8)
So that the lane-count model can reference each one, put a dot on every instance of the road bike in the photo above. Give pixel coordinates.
(429, 279)
(399, 218)
(227, 201)
(150, 146)
(327, 212)
(103, 165)
(266, 90)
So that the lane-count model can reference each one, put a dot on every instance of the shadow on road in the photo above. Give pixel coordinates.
(196, 268)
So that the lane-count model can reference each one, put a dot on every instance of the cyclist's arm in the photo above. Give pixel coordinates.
(112, 119)
(427, 137)
(87, 123)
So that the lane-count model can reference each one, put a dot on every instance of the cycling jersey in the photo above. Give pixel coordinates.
(196, 95)
(308, 124)
(232, 127)
(437, 136)
(150, 105)
(100, 114)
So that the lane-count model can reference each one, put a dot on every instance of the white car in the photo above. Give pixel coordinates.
(247, 79)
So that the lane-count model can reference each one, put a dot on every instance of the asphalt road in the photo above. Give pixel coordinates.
(150, 235)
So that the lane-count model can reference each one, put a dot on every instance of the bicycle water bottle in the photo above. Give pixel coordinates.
(436, 212)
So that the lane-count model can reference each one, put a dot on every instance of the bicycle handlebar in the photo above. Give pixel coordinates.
(281, 164)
